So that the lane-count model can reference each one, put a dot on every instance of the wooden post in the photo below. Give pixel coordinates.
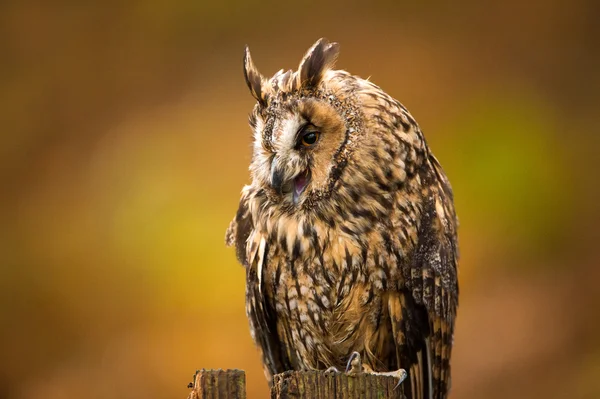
(231, 384)
(321, 385)
(218, 384)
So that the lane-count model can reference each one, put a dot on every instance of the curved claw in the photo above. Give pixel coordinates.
(354, 363)
(401, 377)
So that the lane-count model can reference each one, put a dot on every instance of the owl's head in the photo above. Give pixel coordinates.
(304, 123)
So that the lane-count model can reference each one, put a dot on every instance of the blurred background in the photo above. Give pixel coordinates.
(124, 147)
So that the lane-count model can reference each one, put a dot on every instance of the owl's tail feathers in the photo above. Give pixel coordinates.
(410, 330)
(421, 378)
(440, 345)
(428, 370)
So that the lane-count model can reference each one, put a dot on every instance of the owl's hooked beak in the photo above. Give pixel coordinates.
(277, 175)
(296, 185)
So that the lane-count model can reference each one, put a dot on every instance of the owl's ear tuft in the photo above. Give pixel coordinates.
(254, 79)
(317, 60)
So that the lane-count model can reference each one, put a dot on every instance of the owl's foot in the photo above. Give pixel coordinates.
(355, 366)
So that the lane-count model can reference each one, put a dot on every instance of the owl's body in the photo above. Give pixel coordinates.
(347, 230)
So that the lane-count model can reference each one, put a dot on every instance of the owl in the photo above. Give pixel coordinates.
(347, 230)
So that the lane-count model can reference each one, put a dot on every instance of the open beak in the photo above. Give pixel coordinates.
(295, 185)
(300, 183)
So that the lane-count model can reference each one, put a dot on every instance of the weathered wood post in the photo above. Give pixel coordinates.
(218, 384)
(321, 385)
(231, 384)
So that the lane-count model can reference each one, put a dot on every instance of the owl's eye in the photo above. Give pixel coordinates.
(309, 138)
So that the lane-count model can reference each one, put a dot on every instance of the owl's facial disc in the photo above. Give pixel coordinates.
(295, 151)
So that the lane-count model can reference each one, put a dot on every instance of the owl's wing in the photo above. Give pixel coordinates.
(239, 229)
(423, 313)
(261, 314)
(437, 261)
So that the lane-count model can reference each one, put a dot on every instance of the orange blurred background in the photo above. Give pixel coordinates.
(124, 147)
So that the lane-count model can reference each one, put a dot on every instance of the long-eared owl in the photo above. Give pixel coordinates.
(347, 231)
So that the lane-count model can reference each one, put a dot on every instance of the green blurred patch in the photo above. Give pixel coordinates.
(509, 172)
(167, 214)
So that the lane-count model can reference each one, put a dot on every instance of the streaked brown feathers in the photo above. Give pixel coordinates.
(355, 246)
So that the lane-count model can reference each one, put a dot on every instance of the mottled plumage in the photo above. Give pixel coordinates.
(347, 230)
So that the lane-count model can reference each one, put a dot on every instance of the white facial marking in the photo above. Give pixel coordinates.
(286, 139)
(260, 125)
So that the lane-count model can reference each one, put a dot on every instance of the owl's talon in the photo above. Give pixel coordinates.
(401, 374)
(332, 370)
(354, 365)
